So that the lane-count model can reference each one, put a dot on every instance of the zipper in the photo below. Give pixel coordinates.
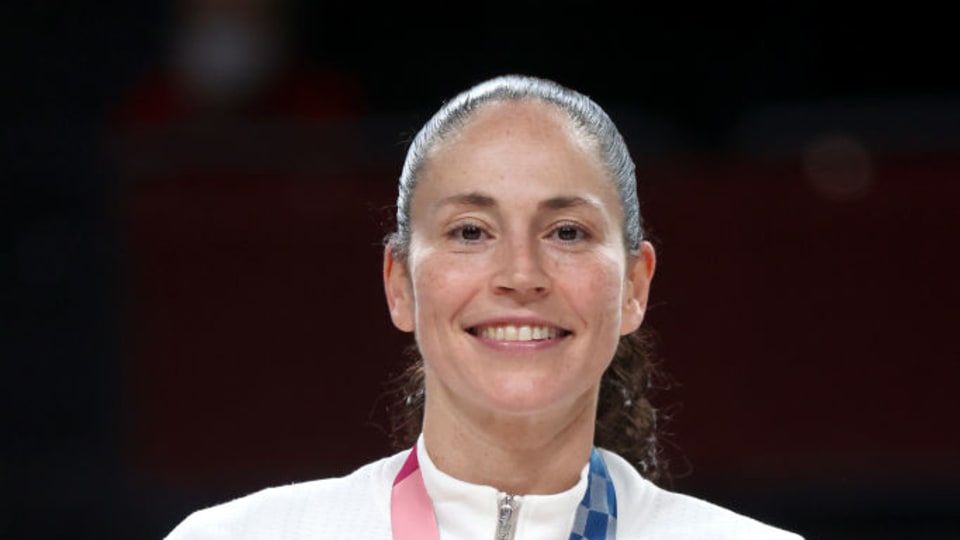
(508, 506)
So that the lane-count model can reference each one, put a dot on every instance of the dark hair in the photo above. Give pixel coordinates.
(626, 421)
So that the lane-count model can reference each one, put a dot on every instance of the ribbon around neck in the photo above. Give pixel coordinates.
(412, 516)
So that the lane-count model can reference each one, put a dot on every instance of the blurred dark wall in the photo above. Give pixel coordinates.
(196, 193)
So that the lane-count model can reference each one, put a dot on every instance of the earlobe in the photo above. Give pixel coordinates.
(396, 285)
(637, 288)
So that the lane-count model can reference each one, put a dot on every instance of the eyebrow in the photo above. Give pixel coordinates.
(473, 198)
(564, 202)
(480, 200)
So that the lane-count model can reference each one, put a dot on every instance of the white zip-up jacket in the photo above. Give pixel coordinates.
(358, 506)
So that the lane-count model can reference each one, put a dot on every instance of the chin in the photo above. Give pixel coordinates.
(526, 400)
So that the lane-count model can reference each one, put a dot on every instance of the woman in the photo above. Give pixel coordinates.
(519, 264)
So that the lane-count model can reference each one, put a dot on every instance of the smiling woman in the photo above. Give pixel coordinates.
(515, 225)
(519, 264)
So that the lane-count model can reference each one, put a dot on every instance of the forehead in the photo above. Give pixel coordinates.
(511, 120)
(515, 144)
(516, 138)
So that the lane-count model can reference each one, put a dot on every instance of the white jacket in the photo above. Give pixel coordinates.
(358, 506)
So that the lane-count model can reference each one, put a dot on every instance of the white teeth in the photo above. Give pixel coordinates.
(522, 333)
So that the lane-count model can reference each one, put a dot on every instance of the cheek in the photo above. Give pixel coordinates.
(595, 284)
(441, 285)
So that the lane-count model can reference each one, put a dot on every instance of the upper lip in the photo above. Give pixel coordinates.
(515, 321)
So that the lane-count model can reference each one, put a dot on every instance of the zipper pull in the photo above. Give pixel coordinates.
(508, 507)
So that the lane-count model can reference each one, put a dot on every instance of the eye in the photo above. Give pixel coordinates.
(569, 233)
(468, 233)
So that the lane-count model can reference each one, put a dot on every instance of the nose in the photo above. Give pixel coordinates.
(521, 273)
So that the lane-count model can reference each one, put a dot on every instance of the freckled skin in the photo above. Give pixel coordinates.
(515, 263)
(520, 154)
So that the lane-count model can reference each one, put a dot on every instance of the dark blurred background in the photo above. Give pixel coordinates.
(194, 195)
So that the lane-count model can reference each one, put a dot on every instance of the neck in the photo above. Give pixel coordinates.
(519, 454)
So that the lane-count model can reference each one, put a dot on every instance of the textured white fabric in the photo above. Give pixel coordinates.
(466, 511)
(358, 506)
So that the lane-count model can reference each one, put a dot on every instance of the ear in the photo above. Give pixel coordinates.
(640, 269)
(396, 285)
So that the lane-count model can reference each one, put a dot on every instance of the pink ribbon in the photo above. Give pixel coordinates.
(411, 511)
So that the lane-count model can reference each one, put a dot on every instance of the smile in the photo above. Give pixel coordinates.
(510, 332)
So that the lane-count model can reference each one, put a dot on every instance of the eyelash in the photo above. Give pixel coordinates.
(456, 233)
(582, 233)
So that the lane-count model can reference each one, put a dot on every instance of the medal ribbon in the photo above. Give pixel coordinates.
(412, 516)
(411, 512)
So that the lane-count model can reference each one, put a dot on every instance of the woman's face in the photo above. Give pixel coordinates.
(517, 284)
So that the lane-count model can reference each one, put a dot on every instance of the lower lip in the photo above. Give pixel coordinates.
(519, 346)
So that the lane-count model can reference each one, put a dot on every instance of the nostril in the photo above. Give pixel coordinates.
(523, 277)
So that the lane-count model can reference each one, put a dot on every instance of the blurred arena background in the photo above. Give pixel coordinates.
(195, 194)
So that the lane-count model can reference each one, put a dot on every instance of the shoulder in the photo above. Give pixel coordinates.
(650, 512)
(324, 508)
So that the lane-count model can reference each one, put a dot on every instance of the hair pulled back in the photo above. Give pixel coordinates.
(626, 421)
